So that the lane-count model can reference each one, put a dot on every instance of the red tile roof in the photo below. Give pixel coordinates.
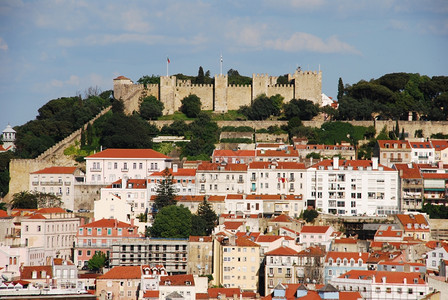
(382, 144)
(277, 153)
(282, 251)
(245, 242)
(312, 251)
(234, 196)
(123, 272)
(263, 197)
(180, 173)
(233, 225)
(37, 217)
(215, 198)
(267, 238)
(435, 175)
(315, 229)
(390, 277)
(408, 171)
(228, 292)
(128, 153)
(56, 170)
(233, 153)
(284, 165)
(205, 239)
(389, 232)
(3, 214)
(346, 241)
(350, 163)
(413, 219)
(51, 210)
(107, 223)
(134, 183)
(27, 272)
(282, 218)
(121, 78)
(226, 167)
(151, 294)
(177, 280)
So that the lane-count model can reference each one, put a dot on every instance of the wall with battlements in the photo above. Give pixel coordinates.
(220, 96)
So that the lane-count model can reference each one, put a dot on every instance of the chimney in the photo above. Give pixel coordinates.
(336, 162)
(123, 182)
(383, 279)
(374, 163)
(132, 222)
(405, 281)
(440, 165)
(175, 168)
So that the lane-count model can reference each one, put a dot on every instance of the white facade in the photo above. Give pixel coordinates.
(316, 235)
(422, 152)
(434, 258)
(11, 258)
(353, 187)
(110, 165)
(221, 179)
(184, 181)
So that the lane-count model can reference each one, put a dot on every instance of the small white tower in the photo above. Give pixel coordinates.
(8, 138)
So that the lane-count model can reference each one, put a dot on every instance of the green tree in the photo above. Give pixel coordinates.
(166, 194)
(171, 222)
(191, 106)
(200, 79)
(47, 200)
(24, 199)
(309, 215)
(145, 80)
(151, 108)
(303, 109)
(204, 135)
(263, 107)
(197, 226)
(206, 213)
(98, 261)
(340, 89)
(3, 206)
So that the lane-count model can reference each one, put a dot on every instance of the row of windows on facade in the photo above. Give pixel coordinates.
(59, 274)
(97, 166)
(99, 231)
(59, 192)
(64, 227)
(378, 290)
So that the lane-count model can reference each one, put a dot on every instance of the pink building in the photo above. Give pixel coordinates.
(99, 236)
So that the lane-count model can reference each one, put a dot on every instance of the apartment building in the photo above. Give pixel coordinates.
(107, 166)
(410, 186)
(391, 152)
(184, 181)
(353, 187)
(221, 178)
(338, 263)
(316, 235)
(98, 236)
(280, 267)
(200, 255)
(59, 181)
(233, 156)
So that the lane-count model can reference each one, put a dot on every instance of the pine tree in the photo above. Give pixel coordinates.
(165, 191)
(206, 212)
(340, 89)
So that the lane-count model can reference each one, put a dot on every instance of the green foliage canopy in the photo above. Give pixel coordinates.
(191, 106)
(172, 222)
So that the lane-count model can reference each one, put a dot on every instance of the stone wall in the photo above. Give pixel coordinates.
(238, 95)
(86, 195)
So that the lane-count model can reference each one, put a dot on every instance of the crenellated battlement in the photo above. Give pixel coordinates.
(220, 96)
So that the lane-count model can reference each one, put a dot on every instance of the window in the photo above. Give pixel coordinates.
(115, 166)
(39, 228)
(134, 166)
(120, 231)
(140, 166)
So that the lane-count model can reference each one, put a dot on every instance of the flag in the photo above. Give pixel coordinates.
(168, 59)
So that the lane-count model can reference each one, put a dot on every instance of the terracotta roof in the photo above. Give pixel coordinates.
(190, 198)
(282, 251)
(282, 218)
(389, 232)
(435, 175)
(245, 242)
(27, 272)
(346, 241)
(234, 196)
(233, 153)
(267, 238)
(312, 251)
(263, 197)
(351, 163)
(180, 172)
(215, 198)
(151, 294)
(37, 217)
(228, 292)
(315, 229)
(121, 78)
(134, 183)
(56, 170)
(128, 153)
(3, 214)
(390, 277)
(123, 272)
(177, 280)
(440, 145)
(284, 165)
(60, 261)
(413, 219)
(408, 171)
(382, 144)
(347, 255)
(233, 225)
(107, 223)
(205, 239)
(51, 210)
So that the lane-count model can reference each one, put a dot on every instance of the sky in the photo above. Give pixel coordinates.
(54, 48)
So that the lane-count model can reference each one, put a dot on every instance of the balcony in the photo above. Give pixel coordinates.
(253, 178)
(392, 159)
(202, 180)
(240, 180)
(202, 191)
(51, 183)
(288, 275)
(270, 274)
(124, 169)
(35, 182)
(95, 169)
(67, 183)
(253, 189)
(291, 190)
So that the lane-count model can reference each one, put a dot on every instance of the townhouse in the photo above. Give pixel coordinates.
(233, 156)
(422, 152)
(338, 263)
(391, 152)
(221, 178)
(316, 235)
(177, 287)
(109, 165)
(125, 200)
(435, 257)
(121, 282)
(382, 284)
(310, 266)
(352, 187)
(410, 186)
(184, 181)
(300, 291)
(59, 181)
(200, 255)
(50, 232)
(99, 236)
(415, 226)
(280, 267)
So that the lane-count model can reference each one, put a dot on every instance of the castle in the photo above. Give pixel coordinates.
(220, 96)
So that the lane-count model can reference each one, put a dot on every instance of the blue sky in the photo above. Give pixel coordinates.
(52, 49)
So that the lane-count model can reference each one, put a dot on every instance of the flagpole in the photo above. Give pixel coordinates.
(167, 63)
(221, 64)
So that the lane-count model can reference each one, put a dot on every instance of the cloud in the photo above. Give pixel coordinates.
(73, 80)
(397, 25)
(3, 45)
(301, 41)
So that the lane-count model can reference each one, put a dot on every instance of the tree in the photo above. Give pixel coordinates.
(165, 191)
(206, 213)
(24, 199)
(204, 136)
(263, 107)
(200, 78)
(340, 89)
(47, 200)
(309, 215)
(171, 222)
(197, 226)
(191, 106)
(98, 261)
(151, 108)
(303, 109)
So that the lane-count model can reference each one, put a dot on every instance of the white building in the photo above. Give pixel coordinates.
(383, 284)
(352, 187)
(52, 230)
(59, 181)
(221, 178)
(110, 165)
(316, 235)
(422, 152)
(184, 181)
(8, 139)
(276, 178)
(434, 258)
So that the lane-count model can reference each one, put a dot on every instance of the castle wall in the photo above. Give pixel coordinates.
(308, 85)
(203, 91)
(221, 103)
(238, 95)
(260, 84)
(285, 90)
(167, 94)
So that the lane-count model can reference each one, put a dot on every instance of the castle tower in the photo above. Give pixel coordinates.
(260, 84)
(8, 138)
(308, 85)
(220, 91)
(167, 94)
(120, 84)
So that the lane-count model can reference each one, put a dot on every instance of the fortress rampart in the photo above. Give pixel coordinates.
(220, 96)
